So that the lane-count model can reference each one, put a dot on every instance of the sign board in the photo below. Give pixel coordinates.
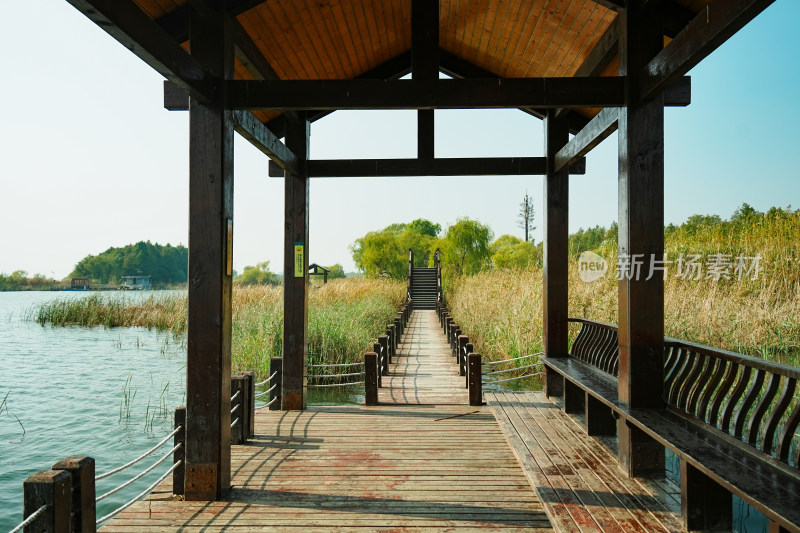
(229, 251)
(299, 263)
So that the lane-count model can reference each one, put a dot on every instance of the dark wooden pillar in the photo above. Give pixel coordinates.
(425, 65)
(641, 238)
(208, 375)
(295, 269)
(556, 249)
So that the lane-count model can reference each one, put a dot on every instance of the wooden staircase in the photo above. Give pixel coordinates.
(423, 288)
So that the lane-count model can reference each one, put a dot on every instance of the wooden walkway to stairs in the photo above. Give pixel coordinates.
(422, 460)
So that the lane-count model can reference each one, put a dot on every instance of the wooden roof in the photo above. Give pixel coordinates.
(345, 39)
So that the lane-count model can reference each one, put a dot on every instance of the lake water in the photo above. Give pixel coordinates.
(105, 393)
(108, 393)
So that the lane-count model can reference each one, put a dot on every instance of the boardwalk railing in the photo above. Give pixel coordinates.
(732, 420)
(376, 363)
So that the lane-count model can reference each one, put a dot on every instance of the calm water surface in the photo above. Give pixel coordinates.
(66, 391)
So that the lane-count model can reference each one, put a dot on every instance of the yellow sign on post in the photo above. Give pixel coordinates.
(299, 264)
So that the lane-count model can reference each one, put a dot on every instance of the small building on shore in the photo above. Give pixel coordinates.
(80, 284)
(134, 283)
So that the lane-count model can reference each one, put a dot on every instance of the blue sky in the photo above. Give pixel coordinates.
(90, 159)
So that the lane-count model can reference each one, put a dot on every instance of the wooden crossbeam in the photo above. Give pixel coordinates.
(124, 21)
(614, 5)
(714, 25)
(605, 123)
(252, 129)
(176, 22)
(600, 127)
(426, 94)
(466, 166)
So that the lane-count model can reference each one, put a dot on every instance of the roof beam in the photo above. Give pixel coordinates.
(614, 5)
(425, 64)
(714, 25)
(426, 94)
(248, 126)
(456, 166)
(125, 22)
(176, 22)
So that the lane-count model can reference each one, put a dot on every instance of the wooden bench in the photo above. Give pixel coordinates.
(730, 418)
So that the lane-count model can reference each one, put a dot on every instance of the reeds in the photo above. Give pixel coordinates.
(501, 310)
(345, 317)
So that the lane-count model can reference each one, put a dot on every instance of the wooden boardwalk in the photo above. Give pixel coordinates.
(423, 460)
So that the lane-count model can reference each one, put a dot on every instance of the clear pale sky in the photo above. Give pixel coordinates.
(90, 159)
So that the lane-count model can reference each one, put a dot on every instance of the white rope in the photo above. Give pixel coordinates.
(512, 379)
(30, 519)
(236, 407)
(335, 375)
(489, 363)
(335, 385)
(335, 365)
(260, 394)
(145, 454)
(512, 369)
(267, 404)
(238, 392)
(266, 380)
(112, 514)
(140, 476)
(235, 422)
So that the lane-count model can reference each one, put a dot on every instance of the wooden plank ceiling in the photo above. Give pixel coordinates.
(342, 39)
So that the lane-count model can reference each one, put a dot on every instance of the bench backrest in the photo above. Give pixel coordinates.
(597, 344)
(752, 399)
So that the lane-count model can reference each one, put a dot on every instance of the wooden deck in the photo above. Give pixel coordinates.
(423, 460)
(576, 477)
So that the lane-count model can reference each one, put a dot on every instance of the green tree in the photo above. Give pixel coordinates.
(164, 264)
(336, 271)
(259, 275)
(744, 212)
(465, 247)
(384, 253)
(425, 227)
(512, 252)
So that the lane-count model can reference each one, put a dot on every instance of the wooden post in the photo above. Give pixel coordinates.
(398, 328)
(295, 269)
(208, 372)
(641, 235)
(377, 349)
(249, 404)
(705, 504)
(410, 273)
(393, 338)
(53, 489)
(237, 408)
(573, 398)
(462, 364)
(389, 344)
(475, 375)
(468, 348)
(276, 365)
(401, 323)
(371, 378)
(81, 471)
(425, 65)
(383, 342)
(599, 417)
(179, 474)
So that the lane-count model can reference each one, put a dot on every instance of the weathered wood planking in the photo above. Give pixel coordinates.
(422, 460)
(576, 477)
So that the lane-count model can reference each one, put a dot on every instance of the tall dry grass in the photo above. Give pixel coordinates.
(345, 316)
(502, 310)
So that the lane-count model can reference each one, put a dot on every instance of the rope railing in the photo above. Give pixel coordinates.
(235, 407)
(141, 495)
(145, 454)
(238, 393)
(236, 421)
(491, 382)
(260, 383)
(505, 370)
(140, 475)
(264, 393)
(492, 363)
(335, 375)
(30, 519)
(335, 365)
(268, 403)
(322, 385)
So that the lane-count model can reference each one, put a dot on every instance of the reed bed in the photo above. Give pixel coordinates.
(501, 310)
(345, 317)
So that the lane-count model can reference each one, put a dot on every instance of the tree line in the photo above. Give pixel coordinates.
(166, 265)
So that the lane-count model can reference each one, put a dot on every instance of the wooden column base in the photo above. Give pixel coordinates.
(600, 419)
(639, 454)
(552, 383)
(705, 505)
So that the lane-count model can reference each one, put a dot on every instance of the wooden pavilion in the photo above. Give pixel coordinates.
(268, 68)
